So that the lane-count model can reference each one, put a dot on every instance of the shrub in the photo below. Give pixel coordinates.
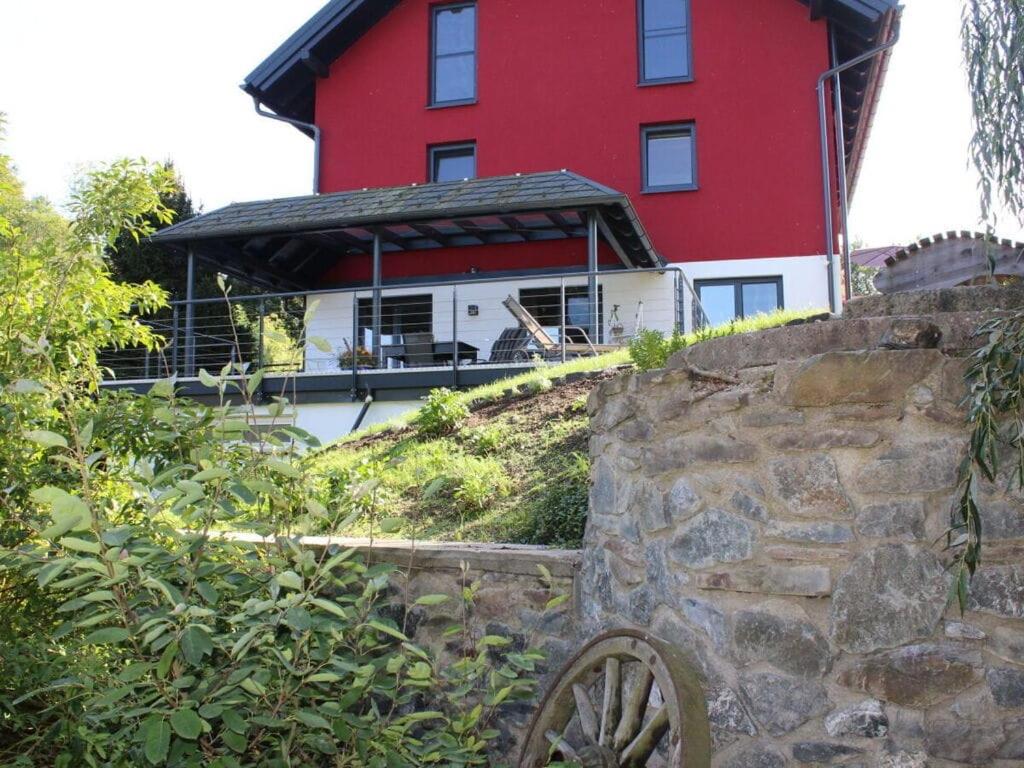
(650, 350)
(559, 513)
(487, 439)
(477, 490)
(442, 414)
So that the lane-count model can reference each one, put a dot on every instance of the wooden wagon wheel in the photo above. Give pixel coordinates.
(626, 700)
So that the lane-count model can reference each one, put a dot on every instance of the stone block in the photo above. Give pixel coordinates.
(813, 533)
(1007, 686)
(967, 732)
(713, 537)
(824, 439)
(1013, 747)
(749, 507)
(682, 501)
(866, 719)
(915, 676)
(727, 716)
(822, 752)
(1003, 520)
(889, 596)
(782, 704)
(902, 519)
(798, 580)
(874, 376)
(958, 630)
(999, 590)
(768, 416)
(678, 453)
(927, 466)
(1008, 643)
(804, 554)
(791, 645)
(755, 756)
(808, 486)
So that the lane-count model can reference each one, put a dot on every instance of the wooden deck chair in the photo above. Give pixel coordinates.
(549, 347)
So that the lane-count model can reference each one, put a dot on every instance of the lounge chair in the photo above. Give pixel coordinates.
(512, 346)
(548, 346)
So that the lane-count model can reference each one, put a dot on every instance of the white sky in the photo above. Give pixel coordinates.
(85, 82)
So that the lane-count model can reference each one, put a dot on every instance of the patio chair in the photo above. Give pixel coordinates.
(512, 346)
(549, 347)
(419, 349)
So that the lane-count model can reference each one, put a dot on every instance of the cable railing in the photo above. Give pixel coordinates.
(480, 320)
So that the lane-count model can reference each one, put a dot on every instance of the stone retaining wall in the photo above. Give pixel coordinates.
(777, 521)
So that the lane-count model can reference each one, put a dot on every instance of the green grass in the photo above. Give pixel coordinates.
(519, 476)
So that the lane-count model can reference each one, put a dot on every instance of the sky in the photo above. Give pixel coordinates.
(80, 84)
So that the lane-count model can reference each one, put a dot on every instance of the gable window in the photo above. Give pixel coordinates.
(453, 54)
(664, 27)
(733, 299)
(452, 162)
(669, 157)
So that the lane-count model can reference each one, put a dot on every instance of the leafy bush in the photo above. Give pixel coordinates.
(477, 490)
(485, 440)
(559, 514)
(443, 412)
(650, 350)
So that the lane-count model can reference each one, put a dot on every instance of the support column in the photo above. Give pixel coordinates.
(377, 280)
(595, 324)
(190, 316)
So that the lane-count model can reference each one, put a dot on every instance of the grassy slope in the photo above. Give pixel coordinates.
(516, 471)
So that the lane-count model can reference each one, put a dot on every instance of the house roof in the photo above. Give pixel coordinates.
(286, 80)
(289, 242)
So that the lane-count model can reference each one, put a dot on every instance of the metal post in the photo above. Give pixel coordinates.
(259, 339)
(175, 340)
(355, 346)
(827, 181)
(455, 337)
(377, 246)
(190, 316)
(677, 302)
(561, 332)
(592, 276)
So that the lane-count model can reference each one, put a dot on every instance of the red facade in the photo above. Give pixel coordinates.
(558, 88)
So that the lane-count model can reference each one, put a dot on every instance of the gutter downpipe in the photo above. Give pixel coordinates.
(312, 127)
(834, 72)
(362, 412)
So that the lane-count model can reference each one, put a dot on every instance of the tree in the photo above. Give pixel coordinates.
(993, 42)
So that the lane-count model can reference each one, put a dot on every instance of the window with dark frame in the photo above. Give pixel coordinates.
(669, 157)
(544, 305)
(730, 299)
(664, 41)
(398, 315)
(452, 162)
(453, 54)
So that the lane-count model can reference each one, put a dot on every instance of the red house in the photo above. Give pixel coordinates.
(606, 165)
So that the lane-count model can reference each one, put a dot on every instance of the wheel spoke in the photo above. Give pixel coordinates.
(611, 707)
(640, 750)
(587, 715)
(633, 715)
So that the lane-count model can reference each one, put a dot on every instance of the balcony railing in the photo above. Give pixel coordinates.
(480, 320)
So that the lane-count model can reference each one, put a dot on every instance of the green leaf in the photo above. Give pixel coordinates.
(234, 721)
(207, 380)
(323, 677)
(391, 524)
(381, 627)
(556, 601)
(107, 635)
(312, 719)
(80, 545)
(46, 438)
(187, 724)
(290, 580)
(163, 388)
(432, 600)
(321, 344)
(51, 571)
(195, 644)
(156, 737)
(330, 607)
(235, 741)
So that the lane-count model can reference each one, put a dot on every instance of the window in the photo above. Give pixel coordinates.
(398, 315)
(726, 300)
(669, 158)
(453, 55)
(453, 162)
(664, 27)
(543, 304)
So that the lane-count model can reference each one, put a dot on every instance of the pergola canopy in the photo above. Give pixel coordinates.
(289, 243)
